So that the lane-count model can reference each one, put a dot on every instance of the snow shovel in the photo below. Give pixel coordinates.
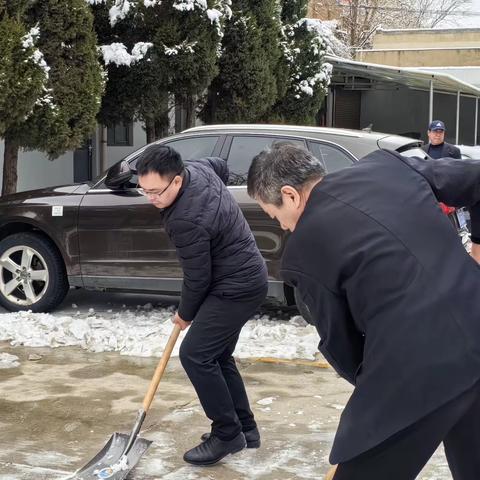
(122, 452)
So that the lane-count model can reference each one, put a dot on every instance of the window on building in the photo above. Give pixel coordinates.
(120, 135)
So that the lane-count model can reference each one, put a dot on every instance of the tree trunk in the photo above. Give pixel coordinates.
(162, 122)
(179, 114)
(189, 107)
(10, 160)
(150, 130)
(211, 106)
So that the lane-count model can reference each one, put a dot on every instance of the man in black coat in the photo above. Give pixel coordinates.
(394, 297)
(225, 281)
(437, 147)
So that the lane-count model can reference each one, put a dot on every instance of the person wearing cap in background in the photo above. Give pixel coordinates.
(437, 146)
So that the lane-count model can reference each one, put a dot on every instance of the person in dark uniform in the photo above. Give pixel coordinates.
(437, 146)
(225, 281)
(394, 297)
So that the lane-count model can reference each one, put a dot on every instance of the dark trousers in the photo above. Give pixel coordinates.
(206, 355)
(402, 457)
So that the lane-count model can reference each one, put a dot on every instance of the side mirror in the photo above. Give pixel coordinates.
(118, 176)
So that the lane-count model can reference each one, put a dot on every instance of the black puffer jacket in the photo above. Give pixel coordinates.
(214, 243)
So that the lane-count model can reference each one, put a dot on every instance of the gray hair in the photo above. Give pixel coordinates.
(282, 164)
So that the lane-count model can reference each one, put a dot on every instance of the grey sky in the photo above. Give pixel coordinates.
(467, 21)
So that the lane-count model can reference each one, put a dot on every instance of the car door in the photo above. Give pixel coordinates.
(239, 151)
(122, 239)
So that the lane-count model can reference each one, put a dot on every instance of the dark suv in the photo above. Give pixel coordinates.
(103, 235)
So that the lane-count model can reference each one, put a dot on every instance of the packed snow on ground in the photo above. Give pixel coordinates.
(8, 361)
(144, 332)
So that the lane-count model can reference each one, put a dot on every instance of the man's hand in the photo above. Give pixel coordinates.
(177, 319)
(475, 252)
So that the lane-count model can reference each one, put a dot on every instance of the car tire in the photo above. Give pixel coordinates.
(32, 273)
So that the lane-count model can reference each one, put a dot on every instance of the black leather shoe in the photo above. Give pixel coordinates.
(252, 437)
(213, 450)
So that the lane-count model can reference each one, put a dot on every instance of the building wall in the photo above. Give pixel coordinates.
(409, 110)
(418, 57)
(115, 154)
(427, 38)
(35, 170)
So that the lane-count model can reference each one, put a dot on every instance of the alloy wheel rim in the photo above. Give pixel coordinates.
(24, 276)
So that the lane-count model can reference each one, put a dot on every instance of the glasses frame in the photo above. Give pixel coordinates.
(157, 195)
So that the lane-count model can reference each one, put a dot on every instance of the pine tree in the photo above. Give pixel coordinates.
(246, 86)
(22, 72)
(304, 48)
(61, 43)
(138, 78)
(183, 40)
(195, 36)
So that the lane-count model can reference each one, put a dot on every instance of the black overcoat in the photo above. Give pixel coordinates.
(393, 293)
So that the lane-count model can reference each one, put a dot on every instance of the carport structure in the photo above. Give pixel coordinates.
(393, 98)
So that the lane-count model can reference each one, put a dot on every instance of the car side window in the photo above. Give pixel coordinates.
(194, 147)
(244, 148)
(333, 158)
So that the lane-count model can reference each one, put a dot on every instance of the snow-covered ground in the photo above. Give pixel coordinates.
(143, 330)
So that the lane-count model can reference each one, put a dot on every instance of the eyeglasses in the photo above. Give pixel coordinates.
(156, 193)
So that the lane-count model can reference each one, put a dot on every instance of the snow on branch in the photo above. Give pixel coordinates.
(117, 53)
(28, 43)
(189, 5)
(325, 32)
(184, 47)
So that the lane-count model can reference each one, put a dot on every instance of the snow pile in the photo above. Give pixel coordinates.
(145, 332)
(8, 361)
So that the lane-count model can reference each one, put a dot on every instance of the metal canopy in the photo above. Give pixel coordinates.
(409, 77)
(413, 78)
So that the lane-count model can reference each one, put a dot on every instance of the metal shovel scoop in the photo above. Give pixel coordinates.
(122, 452)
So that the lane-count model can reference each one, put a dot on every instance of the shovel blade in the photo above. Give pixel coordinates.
(108, 463)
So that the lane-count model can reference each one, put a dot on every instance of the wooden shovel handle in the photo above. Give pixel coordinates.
(331, 473)
(152, 389)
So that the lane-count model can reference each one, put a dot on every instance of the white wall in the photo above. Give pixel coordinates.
(35, 170)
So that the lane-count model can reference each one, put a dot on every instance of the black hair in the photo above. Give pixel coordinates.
(160, 159)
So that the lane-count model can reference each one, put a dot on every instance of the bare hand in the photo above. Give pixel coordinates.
(475, 253)
(177, 319)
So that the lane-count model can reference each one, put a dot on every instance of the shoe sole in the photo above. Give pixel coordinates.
(213, 462)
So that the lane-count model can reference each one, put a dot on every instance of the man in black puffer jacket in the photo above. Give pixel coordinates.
(225, 281)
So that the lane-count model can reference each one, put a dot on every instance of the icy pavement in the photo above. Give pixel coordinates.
(60, 405)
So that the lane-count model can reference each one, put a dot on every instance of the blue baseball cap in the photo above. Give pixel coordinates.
(437, 125)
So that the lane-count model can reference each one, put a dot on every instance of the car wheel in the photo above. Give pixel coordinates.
(303, 308)
(32, 273)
